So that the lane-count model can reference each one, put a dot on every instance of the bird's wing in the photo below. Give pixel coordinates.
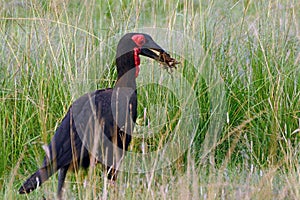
(78, 124)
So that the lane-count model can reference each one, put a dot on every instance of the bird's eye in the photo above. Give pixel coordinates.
(139, 40)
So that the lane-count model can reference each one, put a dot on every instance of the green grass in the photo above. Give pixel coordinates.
(240, 70)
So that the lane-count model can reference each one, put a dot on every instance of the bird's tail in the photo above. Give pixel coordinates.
(35, 180)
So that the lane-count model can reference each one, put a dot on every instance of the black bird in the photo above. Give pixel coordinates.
(106, 115)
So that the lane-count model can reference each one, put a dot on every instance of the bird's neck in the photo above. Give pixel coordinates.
(127, 67)
(127, 80)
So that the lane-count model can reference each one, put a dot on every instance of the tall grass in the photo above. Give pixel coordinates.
(246, 145)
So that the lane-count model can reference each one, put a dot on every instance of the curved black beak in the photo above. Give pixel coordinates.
(152, 50)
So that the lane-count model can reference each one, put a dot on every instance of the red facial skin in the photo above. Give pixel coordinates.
(139, 40)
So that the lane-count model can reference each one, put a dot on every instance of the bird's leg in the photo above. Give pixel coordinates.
(111, 173)
(111, 176)
(61, 179)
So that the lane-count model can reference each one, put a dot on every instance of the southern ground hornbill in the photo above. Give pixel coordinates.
(113, 111)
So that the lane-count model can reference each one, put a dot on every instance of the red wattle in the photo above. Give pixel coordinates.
(137, 61)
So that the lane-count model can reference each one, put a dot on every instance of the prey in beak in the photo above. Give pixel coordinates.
(161, 56)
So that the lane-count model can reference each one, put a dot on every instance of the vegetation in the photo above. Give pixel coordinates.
(229, 116)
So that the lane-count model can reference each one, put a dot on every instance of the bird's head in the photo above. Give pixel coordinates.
(132, 45)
